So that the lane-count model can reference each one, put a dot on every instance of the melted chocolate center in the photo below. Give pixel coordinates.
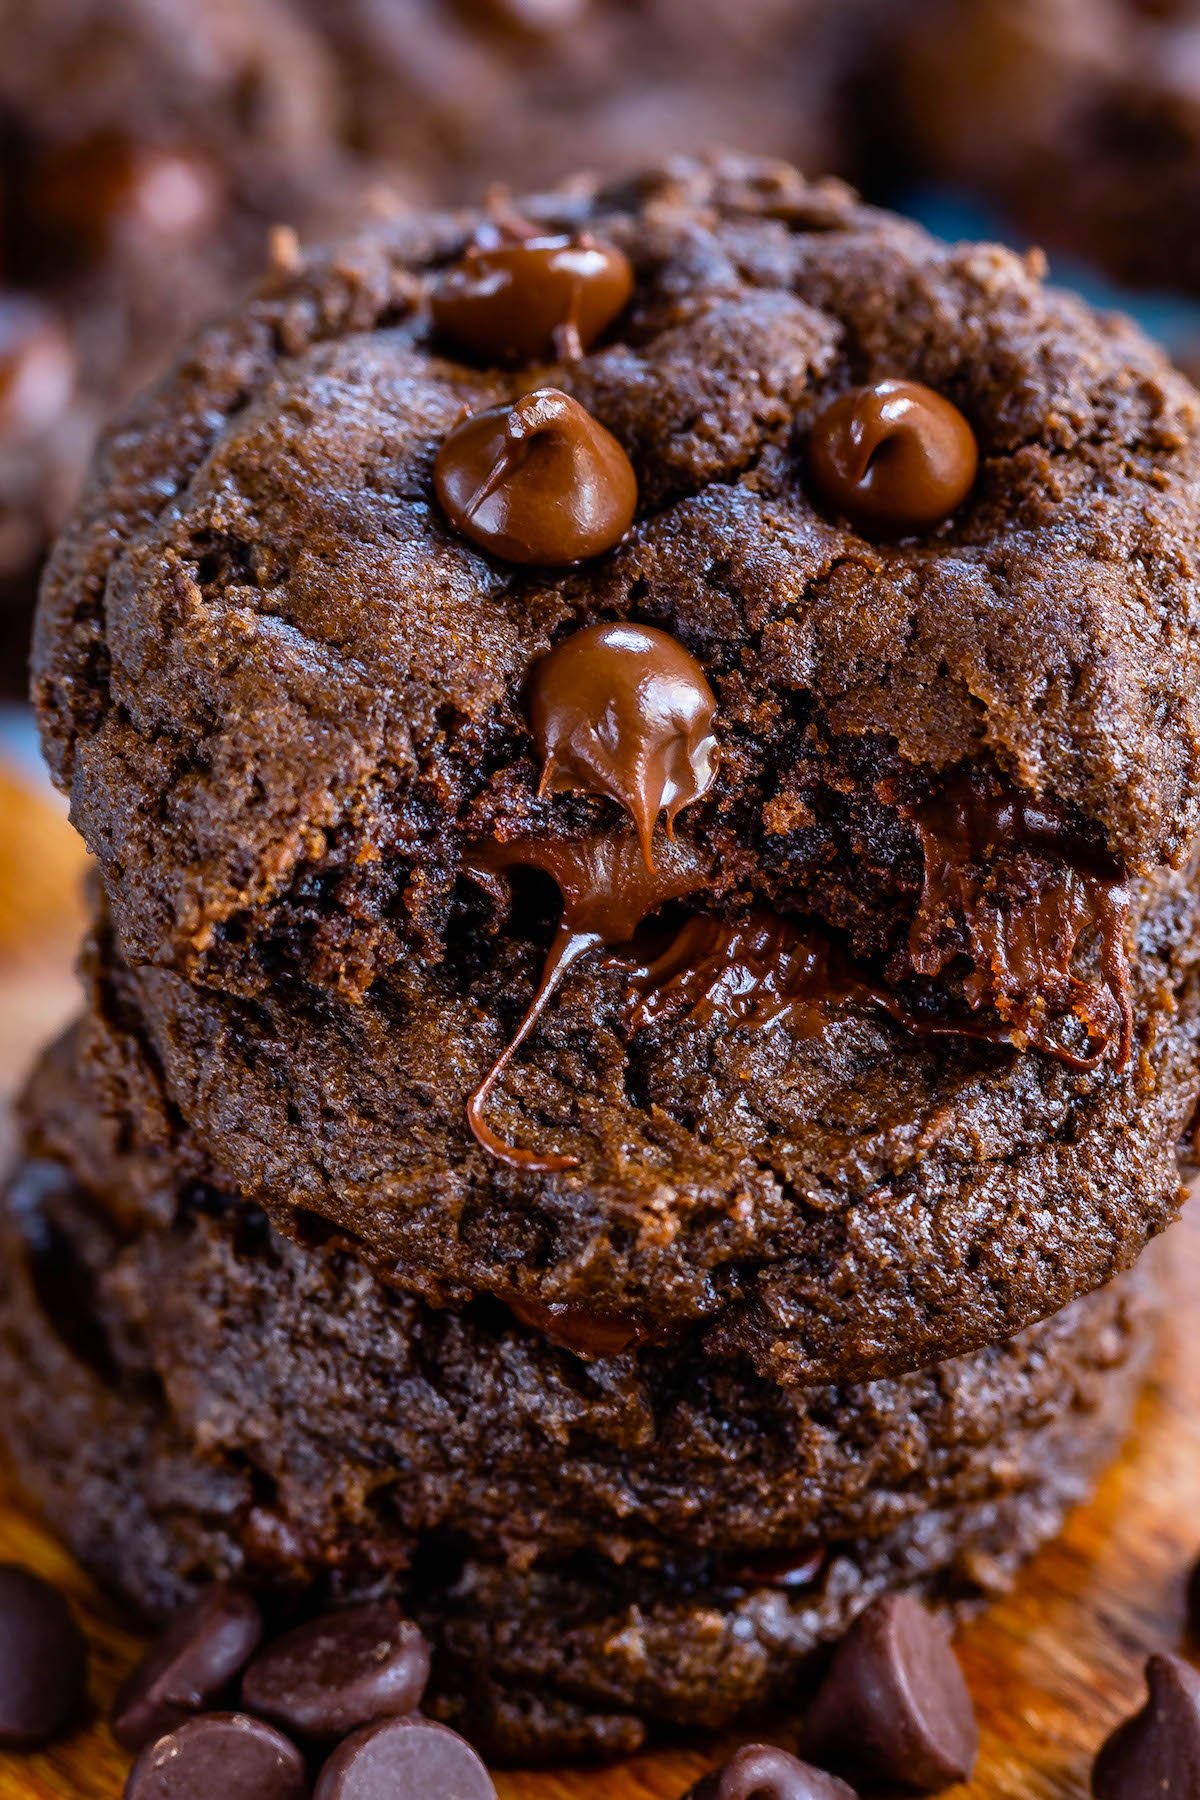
(623, 710)
(607, 891)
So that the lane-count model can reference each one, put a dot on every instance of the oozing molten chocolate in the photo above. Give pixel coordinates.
(532, 298)
(894, 458)
(538, 482)
(623, 710)
(1007, 887)
(607, 891)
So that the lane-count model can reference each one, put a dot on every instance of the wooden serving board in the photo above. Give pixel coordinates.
(1052, 1666)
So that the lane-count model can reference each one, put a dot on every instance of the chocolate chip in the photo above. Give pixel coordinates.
(538, 482)
(761, 1772)
(534, 18)
(624, 710)
(203, 1649)
(37, 368)
(43, 1660)
(219, 1756)
(340, 1671)
(1156, 1753)
(405, 1759)
(110, 189)
(579, 1329)
(533, 299)
(893, 1705)
(894, 458)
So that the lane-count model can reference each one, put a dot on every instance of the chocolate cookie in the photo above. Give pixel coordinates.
(202, 1397)
(1080, 117)
(834, 1195)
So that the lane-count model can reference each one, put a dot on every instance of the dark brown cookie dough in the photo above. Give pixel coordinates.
(595, 1548)
(837, 1198)
(1080, 117)
(286, 696)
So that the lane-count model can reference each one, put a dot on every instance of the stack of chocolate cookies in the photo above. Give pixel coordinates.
(642, 750)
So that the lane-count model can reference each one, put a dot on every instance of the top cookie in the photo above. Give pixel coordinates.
(949, 631)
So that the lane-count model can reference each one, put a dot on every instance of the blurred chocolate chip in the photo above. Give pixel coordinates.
(538, 482)
(37, 368)
(894, 458)
(340, 1671)
(203, 1649)
(535, 18)
(219, 1756)
(111, 189)
(761, 1772)
(893, 1705)
(43, 1660)
(405, 1759)
(624, 710)
(1156, 1753)
(533, 299)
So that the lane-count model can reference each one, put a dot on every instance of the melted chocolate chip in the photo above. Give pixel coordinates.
(37, 368)
(203, 1649)
(761, 1772)
(579, 1329)
(43, 1661)
(534, 299)
(340, 1671)
(405, 1759)
(1157, 1751)
(1007, 886)
(219, 1756)
(623, 710)
(538, 482)
(894, 458)
(893, 1706)
(607, 891)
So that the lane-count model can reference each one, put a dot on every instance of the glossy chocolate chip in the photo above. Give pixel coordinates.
(43, 1661)
(579, 1329)
(894, 459)
(1156, 1753)
(761, 1772)
(204, 1648)
(538, 482)
(37, 368)
(340, 1671)
(624, 710)
(533, 299)
(405, 1759)
(893, 1706)
(219, 1756)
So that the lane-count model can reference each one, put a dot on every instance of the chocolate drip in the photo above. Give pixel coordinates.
(753, 972)
(607, 892)
(1007, 886)
(624, 710)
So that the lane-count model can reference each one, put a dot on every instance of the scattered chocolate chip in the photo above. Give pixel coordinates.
(37, 368)
(1156, 1753)
(43, 1660)
(894, 458)
(405, 1759)
(533, 299)
(624, 710)
(203, 1649)
(893, 1705)
(538, 482)
(761, 1772)
(340, 1671)
(219, 1756)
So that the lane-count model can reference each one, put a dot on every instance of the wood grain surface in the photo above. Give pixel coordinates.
(1052, 1666)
